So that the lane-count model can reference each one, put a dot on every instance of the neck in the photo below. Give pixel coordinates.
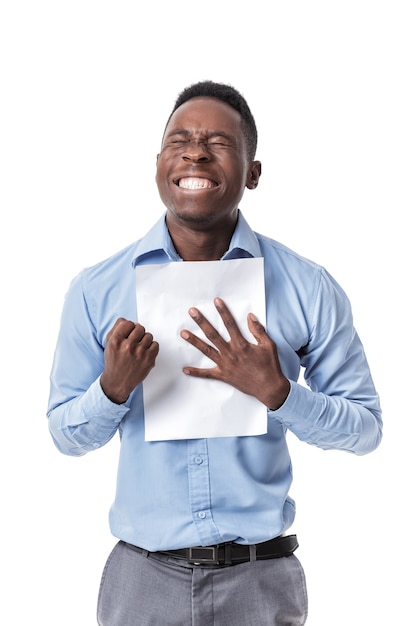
(200, 245)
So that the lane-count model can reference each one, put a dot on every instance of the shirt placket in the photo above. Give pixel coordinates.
(200, 493)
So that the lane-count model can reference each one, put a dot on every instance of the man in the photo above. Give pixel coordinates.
(229, 495)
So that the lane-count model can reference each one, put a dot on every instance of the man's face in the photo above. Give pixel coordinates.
(203, 168)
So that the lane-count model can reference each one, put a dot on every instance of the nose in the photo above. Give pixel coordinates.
(196, 151)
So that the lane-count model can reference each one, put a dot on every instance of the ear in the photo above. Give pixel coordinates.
(254, 173)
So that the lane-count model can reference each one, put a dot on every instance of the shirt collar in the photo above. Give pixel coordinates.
(157, 247)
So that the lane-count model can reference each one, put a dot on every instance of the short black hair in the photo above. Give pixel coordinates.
(233, 98)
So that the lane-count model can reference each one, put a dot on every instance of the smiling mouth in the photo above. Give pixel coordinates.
(194, 182)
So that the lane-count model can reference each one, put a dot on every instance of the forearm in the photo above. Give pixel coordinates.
(85, 422)
(332, 422)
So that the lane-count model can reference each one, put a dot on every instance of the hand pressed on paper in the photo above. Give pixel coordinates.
(129, 356)
(251, 368)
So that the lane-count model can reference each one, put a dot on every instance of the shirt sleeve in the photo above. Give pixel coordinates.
(339, 408)
(81, 417)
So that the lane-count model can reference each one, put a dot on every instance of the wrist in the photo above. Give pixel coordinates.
(274, 400)
(117, 397)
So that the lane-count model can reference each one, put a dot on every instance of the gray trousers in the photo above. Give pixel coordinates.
(144, 589)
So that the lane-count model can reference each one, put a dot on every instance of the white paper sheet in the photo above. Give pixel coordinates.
(178, 406)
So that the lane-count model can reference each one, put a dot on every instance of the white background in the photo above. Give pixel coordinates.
(86, 87)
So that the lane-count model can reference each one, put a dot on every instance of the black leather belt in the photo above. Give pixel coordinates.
(230, 553)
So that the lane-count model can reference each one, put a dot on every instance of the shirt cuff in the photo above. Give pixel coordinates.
(98, 407)
(300, 409)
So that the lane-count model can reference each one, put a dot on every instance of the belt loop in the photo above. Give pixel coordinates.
(228, 554)
(252, 553)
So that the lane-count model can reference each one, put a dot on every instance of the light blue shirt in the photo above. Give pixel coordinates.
(174, 494)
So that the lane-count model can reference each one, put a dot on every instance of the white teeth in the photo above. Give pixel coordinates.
(195, 183)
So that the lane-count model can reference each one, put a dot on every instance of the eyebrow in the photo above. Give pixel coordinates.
(210, 135)
(178, 131)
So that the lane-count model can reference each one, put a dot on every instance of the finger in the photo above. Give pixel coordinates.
(208, 329)
(146, 340)
(150, 347)
(256, 328)
(137, 333)
(228, 319)
(122, 328)
(201, 345)
(200, 373)
(119, 332)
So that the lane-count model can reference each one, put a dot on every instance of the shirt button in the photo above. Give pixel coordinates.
(198, 460)
(202, 515)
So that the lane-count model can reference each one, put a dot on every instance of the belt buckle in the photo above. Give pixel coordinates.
(207, 555)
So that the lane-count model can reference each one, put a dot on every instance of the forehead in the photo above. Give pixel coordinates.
(205, 114)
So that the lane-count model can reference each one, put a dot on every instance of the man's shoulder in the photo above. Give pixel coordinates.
(110, 271)
(116, 260)
(275, 251)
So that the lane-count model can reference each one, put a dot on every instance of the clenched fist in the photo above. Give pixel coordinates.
(129, 356)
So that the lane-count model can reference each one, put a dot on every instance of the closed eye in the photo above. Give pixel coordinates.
(219, 139)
